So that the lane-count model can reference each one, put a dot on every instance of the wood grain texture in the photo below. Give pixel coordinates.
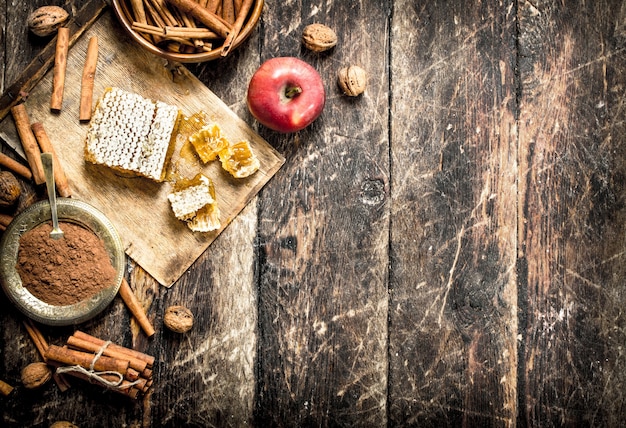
(453, 309)
(447, 250)
(3, 26)
(323, 231)
(211, 379)
(18, 39)
(572, 193)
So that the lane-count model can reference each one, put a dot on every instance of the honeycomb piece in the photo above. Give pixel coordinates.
(193, 201)
(239, 160)
(208, 142)
(207, 219)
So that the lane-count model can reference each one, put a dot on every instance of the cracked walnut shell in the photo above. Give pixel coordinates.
(318, 37)
(352, 80)
(178, 319)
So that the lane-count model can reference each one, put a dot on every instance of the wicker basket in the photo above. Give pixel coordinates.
(201, 52)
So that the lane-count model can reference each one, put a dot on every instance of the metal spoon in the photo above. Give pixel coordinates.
(48, 169)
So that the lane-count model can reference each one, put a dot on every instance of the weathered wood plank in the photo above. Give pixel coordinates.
(453, 309)
(477, 178)
(3, 35)
(324, 234)
(572, 233)
(209, 376)
(20, 45)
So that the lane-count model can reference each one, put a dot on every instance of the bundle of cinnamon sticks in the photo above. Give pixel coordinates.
(114, 367)
(190, 26)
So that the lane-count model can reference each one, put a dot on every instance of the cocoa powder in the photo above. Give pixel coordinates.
(67, 270)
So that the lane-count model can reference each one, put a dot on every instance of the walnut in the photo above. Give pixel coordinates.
(35, 375)
(46, 20)
(10, 189)
(178, 319)
(352, 80)
(318, 37)
(63, 424)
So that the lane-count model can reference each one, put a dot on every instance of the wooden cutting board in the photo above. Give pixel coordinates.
(138, 207)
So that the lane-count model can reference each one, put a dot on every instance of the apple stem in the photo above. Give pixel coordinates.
(293, 91)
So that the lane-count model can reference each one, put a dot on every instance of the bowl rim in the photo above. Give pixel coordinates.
(122, 12)
(69, 210)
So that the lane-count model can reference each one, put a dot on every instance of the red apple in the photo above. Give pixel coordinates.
(286, 94)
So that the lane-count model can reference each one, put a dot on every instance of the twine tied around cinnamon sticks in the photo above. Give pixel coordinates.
(99, 376)
(104, 363)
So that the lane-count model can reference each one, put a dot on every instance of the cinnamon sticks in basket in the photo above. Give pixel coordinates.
(111, 366)
(190, 26)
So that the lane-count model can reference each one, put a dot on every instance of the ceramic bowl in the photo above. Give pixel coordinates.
(123, 11)
(69, 210)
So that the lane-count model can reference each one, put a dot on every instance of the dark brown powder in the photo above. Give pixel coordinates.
(67, 270)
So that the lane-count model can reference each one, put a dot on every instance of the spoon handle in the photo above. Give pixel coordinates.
(48, 169)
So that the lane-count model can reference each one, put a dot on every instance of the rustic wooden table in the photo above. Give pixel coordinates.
(445, 250)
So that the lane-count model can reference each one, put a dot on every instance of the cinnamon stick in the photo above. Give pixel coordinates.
(138, 11)
(238, 4)
(89, 73)
(45, 145)
(160, 12)
(175, 32)
(186, 20)
(60, 65)
(31, 149)
(246, 5)
(153, 19)
(213, 5)
(85, 345)
(61, 381)
(177, 44)
(189, 22)
(205, 16)
(153, 30)
(141, 384)
(127, 295)
(13, 165)
(176, 14)
(189, 32)
(42, 345)
(86, 360)
(125, 351)
(131, 374)
(228, 11)
(40, 342)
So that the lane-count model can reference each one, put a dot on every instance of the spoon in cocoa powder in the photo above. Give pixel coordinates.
(48, 169)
